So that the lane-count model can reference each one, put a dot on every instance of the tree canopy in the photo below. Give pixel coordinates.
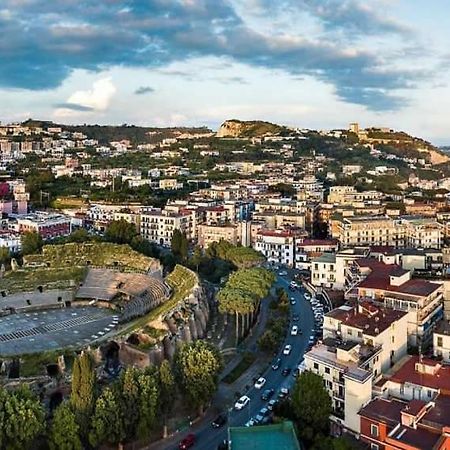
(120, 232)
(31, 243)
(64, 430)
(197, 366)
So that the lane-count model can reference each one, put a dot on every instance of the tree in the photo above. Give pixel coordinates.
(80, 235)
(197, 366)
(197, 258)
(184, 247)
(312, 406)
(82, 394)
(64, 430)
(31, 242)
(107, 421)
(120, 232)
(175, 243)
(130, 400)
(23, 419)
(148, 402)
(167, 390)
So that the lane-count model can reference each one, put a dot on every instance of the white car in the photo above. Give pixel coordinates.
(294, 330)
(287, 349)
(307, 296)
(260, 382)
(242, 403)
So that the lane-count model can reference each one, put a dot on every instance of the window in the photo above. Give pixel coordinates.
(327, 370)
(374, 446)
(316, 366)
(349, 332)
(439, 341)
(374, 430)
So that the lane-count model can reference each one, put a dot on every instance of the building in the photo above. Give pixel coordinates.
(158, 225)
(11, 241)
(390, 423)
(48, 225)
(207, 234)
(441, 341)
(277, 246)
(348, 195)
(371, 325)
(274, 437)
(359, 344)
(323, 270)
(392, 286)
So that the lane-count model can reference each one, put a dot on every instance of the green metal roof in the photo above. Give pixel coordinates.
(268, 437)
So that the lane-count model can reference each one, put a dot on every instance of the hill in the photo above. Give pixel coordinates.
(247, 129)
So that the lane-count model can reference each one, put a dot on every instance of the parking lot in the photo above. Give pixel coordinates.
(54, 328)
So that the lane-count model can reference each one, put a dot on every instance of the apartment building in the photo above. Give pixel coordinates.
(278, 220)
(348, 195)
(370, 324)
(406, 425)
(441, 341)
(277, 246)
(352, 356)
(392, 286)
(307, 249)
(48, 225)
(158, 225)
(207, 234)
(280, 205)
(323, 270)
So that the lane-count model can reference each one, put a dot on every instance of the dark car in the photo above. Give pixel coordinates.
(187, 442)
(223, 445)
(286, 371)
(219, 421)
(276, 364)
(295, 317)
(267, 394)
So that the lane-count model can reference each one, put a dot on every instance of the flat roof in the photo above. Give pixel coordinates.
(383, 410)
(274, 437)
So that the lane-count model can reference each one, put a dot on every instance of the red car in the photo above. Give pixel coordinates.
(187, 442)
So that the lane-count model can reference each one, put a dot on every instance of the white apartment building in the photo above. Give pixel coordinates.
(348, 195)
(277, 246)
(158, 225)
(323, 270)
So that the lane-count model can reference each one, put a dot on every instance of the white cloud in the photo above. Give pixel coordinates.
(98, 98)
(82, 102)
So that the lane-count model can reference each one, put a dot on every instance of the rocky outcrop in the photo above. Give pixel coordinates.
(247, 129)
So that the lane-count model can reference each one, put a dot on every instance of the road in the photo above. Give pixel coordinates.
(208, 438)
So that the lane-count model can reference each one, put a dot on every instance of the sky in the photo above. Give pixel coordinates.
(316, 64)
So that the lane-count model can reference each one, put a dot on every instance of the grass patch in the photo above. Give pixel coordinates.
(247, 360)
(34, 364)
(29, 279)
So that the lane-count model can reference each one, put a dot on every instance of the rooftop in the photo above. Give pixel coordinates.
(384, 411)
(379, 278)
(443, 327)
(371, 319)
(325, 258)
(425, 372)
(274, 437)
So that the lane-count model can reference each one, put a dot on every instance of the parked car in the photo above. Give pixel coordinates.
(286, 371)
(260, 382)
(272, 404)
(219, 421)
(293, 302)
(295, 317)
(251, 422)
(276, 365)
(287, 349)
(242, 402)
(187, 442)
(284, 392)
(307, 296)
(294, 330)
(267, 394)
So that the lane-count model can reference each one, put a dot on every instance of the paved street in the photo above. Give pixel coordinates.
(208, 438)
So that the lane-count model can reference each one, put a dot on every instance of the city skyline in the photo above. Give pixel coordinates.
(306, 63)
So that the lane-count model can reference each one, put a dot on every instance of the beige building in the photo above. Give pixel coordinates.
(323, 270)
(158, 225)
(274, 220)
(348, 195)
(441, 341)
(208, 234)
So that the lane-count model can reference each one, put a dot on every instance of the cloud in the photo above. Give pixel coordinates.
(74, 107)
(154, 33)
(144, 90)
(96, 99)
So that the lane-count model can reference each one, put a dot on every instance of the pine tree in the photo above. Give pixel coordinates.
(64, 430)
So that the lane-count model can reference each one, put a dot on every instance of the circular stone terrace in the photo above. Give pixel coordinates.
(73, 295)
